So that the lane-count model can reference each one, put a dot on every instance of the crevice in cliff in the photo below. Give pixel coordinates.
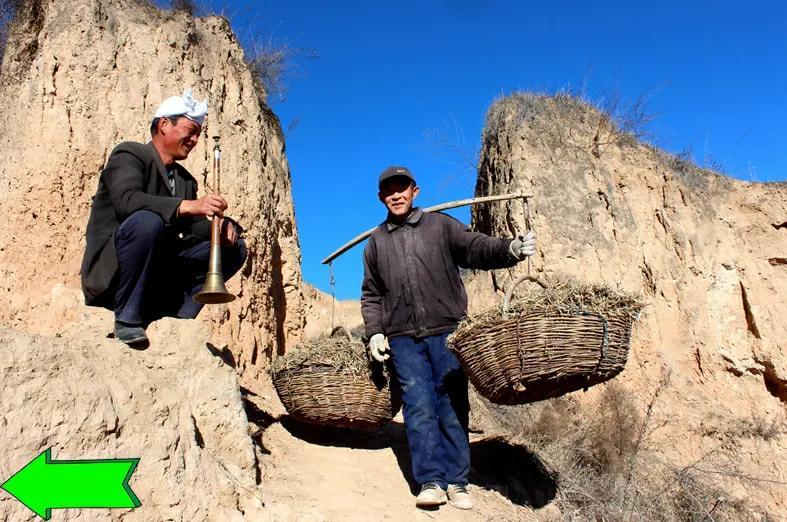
(647, 273)
(775, 385)
(751, 324)
(662, 221)
(278, 295)
(70, 126)
(261, 419)
(273, 122)
(698, 360)
(55, 68)
(603, 196)
(197, 433)
(254, 351)
(682, 197)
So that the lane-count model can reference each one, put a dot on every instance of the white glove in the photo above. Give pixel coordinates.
(523, 245)
(378, 348)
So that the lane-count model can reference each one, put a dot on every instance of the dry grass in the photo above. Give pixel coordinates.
(339, 352)
(184, 6)
(564, 123)
(273, 65)
(567, 120)
(608, 469)
(754, 427)
(692, 175)
(8, 10)
(566, 297)
(27, 16)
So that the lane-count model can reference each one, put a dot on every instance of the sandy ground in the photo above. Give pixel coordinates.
(318, 474)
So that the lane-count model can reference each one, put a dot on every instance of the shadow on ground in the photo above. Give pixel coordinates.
(223, 353)
(513, 471)
(497, 464)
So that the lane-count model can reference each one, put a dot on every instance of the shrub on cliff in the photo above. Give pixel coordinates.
(609, 468)
(272, 65)
(186, 6)
(8, 10)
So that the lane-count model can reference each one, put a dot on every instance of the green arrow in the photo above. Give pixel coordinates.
(45, 484)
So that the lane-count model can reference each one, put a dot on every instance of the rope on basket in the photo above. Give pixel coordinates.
(518, 386)
(509, 292)
(526, 212)
(605, 339)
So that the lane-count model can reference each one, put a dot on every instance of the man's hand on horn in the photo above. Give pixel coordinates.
(524, 245)
(208, 206)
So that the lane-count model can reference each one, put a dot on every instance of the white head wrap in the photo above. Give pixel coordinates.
(183, 106)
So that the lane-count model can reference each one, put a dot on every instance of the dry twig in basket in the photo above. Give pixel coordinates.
(337, 352)
(563, 298)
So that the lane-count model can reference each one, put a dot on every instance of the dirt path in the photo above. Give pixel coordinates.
(312, 474)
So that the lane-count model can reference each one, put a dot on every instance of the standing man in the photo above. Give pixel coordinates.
(412, 294)
(148, 236)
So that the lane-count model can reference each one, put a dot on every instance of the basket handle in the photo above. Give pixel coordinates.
(340, 330)
(513, 285)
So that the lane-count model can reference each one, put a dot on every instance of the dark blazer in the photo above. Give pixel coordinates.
(412, 285)
(134, 178)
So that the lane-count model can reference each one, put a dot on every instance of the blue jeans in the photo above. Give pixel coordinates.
(157, 278)
(436, 408)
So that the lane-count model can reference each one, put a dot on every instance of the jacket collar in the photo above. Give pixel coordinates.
(162, 170)
(413, 219)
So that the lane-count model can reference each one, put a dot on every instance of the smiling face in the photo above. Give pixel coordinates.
(177, 139)
(397, 194)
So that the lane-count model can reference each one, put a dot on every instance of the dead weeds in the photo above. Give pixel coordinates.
(609, 469)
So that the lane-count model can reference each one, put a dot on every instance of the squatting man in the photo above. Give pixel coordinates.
(148, 239)
(412, 294)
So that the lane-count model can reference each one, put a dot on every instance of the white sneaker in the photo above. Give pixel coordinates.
(431, 495)
(459, 497)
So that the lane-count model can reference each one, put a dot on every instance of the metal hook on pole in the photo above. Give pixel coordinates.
(528, 228)
(332, 282)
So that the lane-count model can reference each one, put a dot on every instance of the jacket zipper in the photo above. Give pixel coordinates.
(418, 310)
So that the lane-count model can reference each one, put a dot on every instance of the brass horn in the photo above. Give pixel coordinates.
(213, 290)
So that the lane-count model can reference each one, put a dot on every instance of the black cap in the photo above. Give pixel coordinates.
(395, 172)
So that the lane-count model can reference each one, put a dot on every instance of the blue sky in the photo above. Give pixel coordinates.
(390, 74)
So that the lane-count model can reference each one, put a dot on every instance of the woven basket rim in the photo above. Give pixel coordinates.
(312, 366)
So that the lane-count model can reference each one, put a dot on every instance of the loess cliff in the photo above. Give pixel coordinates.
(80, 77)
(706, 251)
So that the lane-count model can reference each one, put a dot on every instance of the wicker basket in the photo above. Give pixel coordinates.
(323, 395)
(531, 356)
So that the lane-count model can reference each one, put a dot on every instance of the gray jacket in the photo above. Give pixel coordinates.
(411, 282)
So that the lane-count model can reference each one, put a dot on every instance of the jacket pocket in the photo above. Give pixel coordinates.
(446, 311)
(396, 316)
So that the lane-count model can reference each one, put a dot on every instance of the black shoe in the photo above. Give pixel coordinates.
(131, 334)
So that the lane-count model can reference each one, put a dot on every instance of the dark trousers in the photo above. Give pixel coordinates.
(158, 275)
(436, 408)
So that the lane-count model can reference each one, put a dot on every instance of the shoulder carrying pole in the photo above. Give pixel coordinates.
(444, 206)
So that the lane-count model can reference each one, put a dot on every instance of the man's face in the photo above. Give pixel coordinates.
(397, 194)
(179, 138)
